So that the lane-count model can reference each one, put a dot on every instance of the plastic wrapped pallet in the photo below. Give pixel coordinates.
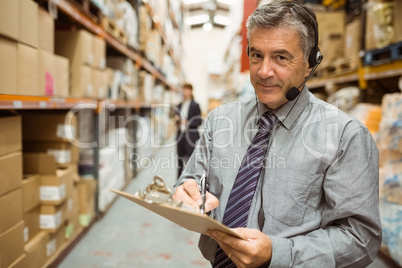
(379, 24)
(127, 20)
(391, 219)
(390, 146)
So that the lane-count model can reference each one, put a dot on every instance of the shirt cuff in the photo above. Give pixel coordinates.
(281, 253)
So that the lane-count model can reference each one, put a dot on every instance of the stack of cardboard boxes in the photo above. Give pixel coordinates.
(42, 210)
(37, 61)
(28, 65)
(87, 56)
(11, 194)
(49, 154)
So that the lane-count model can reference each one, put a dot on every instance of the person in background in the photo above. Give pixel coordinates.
(293, 175)
(188, 119)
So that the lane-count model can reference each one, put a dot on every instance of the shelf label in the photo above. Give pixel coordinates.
(17, 104)
(52, 193)
(51, 247)
(65, 131)
(50, 221)
(26, 234)
(42, 104)
(60, 156)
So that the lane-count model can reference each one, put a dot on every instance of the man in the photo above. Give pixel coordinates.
(315, 200)
(188, 119)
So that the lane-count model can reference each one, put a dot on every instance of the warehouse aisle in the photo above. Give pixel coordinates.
(131, 236)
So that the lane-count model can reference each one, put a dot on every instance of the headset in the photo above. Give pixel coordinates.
(315, 56)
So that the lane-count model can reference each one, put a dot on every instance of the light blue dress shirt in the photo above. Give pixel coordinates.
(318, 188)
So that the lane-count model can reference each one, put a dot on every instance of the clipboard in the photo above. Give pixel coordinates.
(191, 221)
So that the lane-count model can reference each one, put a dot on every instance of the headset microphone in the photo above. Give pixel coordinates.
(294, 91)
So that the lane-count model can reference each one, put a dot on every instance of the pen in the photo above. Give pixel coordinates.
(203, 191)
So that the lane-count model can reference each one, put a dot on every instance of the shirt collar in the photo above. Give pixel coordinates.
(289, 112)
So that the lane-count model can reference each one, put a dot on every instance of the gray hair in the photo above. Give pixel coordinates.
(288, 15)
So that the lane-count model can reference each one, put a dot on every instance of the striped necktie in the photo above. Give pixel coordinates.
(238, 206)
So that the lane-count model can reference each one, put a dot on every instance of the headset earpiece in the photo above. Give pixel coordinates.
(315, 57)
(318, 56)
(312, 57)
(248, 52)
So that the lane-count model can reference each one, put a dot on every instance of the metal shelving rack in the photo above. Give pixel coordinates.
(362, 75)
(20, 102)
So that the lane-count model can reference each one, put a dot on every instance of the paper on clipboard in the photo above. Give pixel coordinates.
(192, 221)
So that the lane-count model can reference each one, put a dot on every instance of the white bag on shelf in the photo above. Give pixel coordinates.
(391, 217)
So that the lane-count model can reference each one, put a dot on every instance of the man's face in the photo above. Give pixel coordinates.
(276, 64)
(186, 93)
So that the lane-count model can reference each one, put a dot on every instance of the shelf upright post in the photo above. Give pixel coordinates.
(135, 110)
(96, 155)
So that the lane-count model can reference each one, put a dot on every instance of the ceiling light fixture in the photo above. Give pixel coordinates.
(207, 27)
(222, 20)
(198, 19)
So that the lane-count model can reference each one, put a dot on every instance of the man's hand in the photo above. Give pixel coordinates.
(255, 251)
(189, 194)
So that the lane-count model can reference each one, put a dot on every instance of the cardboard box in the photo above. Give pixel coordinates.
(10, 135)
(72, 225)
(46, 73)
(72, 203)
(52, 218)
(353, 40)
(62, 80)
(45, 31)
(103, 87)
(9, 20)
(332, 47)
(36, 250)
(57, 239)
(49, 127)
(11, 172)
(86, 194)
(10, 209)
(81, 82)
(21, 262)
(99, 83)
(28, 22)
(120, 63)
(99, 50)
(27, 74)
(31, 223)
(55, 184)
(8, 66)
(63, 152)
(30, 191)
(330, 23)
(77, 46)
(11, 244)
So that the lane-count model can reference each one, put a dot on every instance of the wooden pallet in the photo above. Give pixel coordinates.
(383, 55)
(110, 26)
(339, 67)
(89, 8)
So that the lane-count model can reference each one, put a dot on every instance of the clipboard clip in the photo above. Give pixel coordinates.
(157, 193)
